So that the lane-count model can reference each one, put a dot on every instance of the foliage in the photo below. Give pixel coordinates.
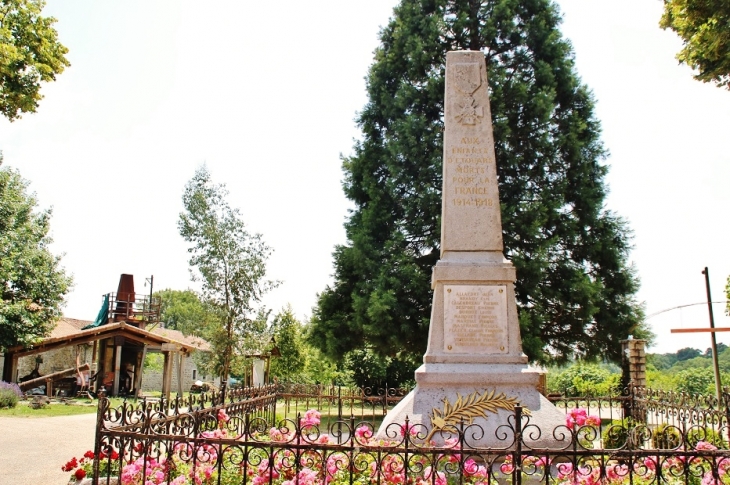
(29, 53)
(154, 362)
(687, 353)
(707, 435)
(666, 437)
(8, 398)
(187, 312)
(696, 381)
(288, 334)
(704, 28)
(371, 370)
(183, 311)
(616, 434)
(230, 263)
(32, 281)
(584, 379)
(575, 287)
(321, 370)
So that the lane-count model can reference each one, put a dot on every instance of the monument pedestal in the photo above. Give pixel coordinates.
(474, 371)
(475, 352)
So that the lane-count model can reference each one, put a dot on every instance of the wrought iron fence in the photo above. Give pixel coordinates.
(239, 441)
(337, 402)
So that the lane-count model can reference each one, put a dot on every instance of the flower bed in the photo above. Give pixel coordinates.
(228, 450)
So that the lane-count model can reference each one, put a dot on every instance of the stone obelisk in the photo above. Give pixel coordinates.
(474, 357)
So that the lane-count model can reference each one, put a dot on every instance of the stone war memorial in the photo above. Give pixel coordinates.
(474, 371)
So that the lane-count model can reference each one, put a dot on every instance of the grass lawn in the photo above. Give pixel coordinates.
(75, 406)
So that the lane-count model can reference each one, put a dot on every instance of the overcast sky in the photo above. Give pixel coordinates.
(265, 93)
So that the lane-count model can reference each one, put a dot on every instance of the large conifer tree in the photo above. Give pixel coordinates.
(575, 289)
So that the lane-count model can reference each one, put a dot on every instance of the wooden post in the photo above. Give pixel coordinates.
(10, 367)
(118, 341)
(167, 350)
(180, 361)
(166, 374)
(140, 369)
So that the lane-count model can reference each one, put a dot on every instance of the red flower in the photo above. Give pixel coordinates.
(114, 455)
(70, 465)
(80, 474)
(89, 454)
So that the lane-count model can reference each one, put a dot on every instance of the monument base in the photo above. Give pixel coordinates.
(489, 391)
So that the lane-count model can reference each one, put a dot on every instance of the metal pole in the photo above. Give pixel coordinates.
(718, 383)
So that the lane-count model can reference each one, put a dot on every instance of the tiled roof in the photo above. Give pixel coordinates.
(178, 336)
(68, 326)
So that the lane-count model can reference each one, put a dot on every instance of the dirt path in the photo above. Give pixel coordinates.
(33, 450)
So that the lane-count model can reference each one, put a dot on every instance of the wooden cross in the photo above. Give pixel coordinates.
(698, 330)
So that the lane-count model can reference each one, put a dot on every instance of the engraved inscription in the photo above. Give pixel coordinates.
(472, 174)
(475, 319)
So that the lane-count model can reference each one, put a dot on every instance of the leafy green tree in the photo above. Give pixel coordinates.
(696, 380)
(687, 353)
(288, 333)
(704, 26)
(29, 53)
(661, 361)
(230, 264)
(32, 282)
(183, 310)
(575, 288)
(583, 379)
(374, 371)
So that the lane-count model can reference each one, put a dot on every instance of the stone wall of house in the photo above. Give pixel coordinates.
(152, 377)
(55, 360)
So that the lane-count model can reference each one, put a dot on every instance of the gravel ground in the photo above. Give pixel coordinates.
(33, 450)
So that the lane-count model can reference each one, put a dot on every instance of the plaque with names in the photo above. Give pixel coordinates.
(475, 319)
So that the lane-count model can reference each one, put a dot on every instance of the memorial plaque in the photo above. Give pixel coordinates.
(475, 319)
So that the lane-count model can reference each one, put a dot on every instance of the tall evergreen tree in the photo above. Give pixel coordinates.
(575, 288)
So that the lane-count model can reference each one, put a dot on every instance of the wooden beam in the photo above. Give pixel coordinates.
(10, 367)
(24, 386)
(167, 375)
(700, 330)
(117, 366)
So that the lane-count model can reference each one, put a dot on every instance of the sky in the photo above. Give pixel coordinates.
(266, 94)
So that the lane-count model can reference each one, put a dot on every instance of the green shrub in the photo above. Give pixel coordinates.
(709, 435)
(616, 434)
(666, 437)
(8, 398)
(583, 379)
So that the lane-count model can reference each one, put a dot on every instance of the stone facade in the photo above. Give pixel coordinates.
(152, 378)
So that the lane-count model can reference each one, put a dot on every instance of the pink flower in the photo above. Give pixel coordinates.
(410, 428)
(276, 435)
(704, 445)
(223, 416)
(451, 442)
(363, 433)
(311, 418)
(593, 420)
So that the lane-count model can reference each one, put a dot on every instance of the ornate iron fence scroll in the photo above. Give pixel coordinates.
(240, 441)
